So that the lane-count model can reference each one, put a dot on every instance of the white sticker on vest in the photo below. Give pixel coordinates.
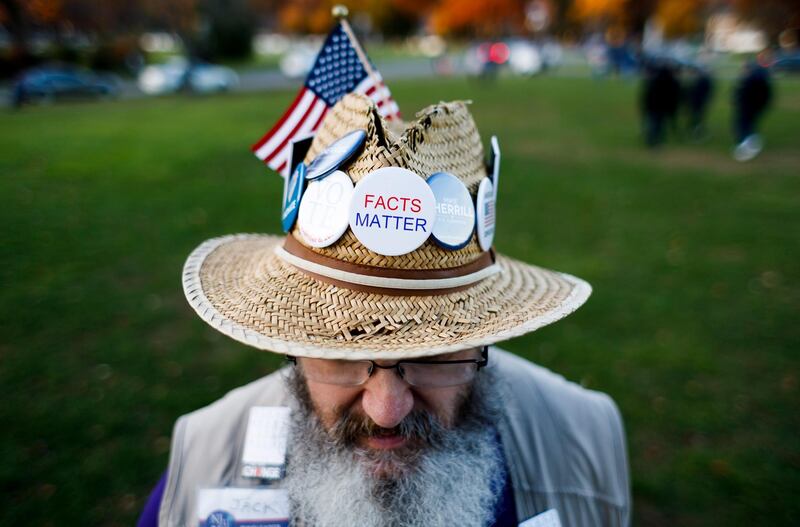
(548, 518)
(231, 507)
(264, 453)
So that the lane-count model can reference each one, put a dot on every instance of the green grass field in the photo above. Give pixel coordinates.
(692, 327)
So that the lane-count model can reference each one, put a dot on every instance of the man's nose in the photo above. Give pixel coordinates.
(387, 398)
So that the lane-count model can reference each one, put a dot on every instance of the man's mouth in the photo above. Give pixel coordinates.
(388, 440)
(415, 433)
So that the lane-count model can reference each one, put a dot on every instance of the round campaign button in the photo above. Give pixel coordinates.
(220, 519)
(325, 209)
(495, 162)
(455, 212)
(393, 211)
(292, 192)
(485, 205)
(336, 154)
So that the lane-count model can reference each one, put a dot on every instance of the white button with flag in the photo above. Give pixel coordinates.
(485, 205)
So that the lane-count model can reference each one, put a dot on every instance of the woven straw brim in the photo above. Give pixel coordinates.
(243, 289)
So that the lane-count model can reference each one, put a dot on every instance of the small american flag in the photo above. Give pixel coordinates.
(337, 71)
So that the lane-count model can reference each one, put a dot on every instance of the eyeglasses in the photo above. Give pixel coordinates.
(421, 373)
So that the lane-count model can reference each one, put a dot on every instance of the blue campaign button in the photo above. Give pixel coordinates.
(455, 211)
(220, 519)
(337, 153)
(293, 191)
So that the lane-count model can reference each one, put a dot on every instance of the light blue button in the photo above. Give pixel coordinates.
(455, 211)
(337, 153)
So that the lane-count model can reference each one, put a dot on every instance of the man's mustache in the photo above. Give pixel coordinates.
(417, 427)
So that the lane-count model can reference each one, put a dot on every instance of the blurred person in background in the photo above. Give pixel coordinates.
(751, 98)
(660, 99)
(697, 94)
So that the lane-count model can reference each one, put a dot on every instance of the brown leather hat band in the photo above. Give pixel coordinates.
(385, 280)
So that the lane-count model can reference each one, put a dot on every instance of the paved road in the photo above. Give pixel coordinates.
(264, 80)
(254, 80)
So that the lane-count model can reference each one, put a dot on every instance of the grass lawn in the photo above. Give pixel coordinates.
(692, 327)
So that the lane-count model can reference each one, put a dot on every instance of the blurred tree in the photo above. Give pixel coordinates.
(306, 16)
(228, 29)
(479, 17)
(180, 17)
(626, 17)
(386, 17)
(366, 16)
(110, 25)
(416, 8)
(680, 17)
(15, 21)
(598, 11)
(773, 16)
(44, 12)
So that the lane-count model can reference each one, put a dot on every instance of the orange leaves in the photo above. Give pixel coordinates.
(679, 17)
(598, 10)
(44, 11)
(484, 17)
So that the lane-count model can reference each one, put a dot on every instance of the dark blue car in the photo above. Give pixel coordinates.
(52, 83)
(787, 64)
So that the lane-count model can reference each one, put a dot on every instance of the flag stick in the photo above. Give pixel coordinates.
(340, 12)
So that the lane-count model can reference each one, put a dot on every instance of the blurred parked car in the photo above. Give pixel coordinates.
(786, 64)
(485, 58)
(521, 57)
(299, 61)
(50, 83)
(179, 74)
(552, 54)
(524, 58)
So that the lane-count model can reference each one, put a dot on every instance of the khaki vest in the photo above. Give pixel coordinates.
(564, 445)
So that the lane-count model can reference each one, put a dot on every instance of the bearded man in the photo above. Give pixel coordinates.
(399, 411)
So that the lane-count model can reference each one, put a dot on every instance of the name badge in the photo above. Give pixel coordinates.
(231, 507)
(264, 453)
(548, 518)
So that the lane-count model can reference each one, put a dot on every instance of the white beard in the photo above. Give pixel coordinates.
(452, 482)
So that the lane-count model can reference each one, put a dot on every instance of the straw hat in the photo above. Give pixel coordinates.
(345, 301)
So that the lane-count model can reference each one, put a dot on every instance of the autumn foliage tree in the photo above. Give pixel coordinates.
(478, 17)
(773, 16)
(621, 17)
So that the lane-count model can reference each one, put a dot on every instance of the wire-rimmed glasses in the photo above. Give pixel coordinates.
(422, 373)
